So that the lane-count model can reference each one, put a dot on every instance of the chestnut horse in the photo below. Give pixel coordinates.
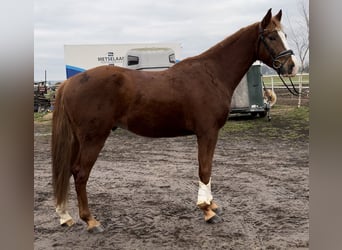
(191, 98)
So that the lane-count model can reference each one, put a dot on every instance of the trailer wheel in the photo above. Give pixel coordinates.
(254, 114)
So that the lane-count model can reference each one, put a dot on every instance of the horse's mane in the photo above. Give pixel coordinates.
(237, 36)
(228, 40)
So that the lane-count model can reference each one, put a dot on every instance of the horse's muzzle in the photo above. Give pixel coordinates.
(290, 68)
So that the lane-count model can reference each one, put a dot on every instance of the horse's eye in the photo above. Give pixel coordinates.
(272, 38)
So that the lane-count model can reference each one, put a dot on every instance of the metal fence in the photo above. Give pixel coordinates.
(273, 81)
(300, 81)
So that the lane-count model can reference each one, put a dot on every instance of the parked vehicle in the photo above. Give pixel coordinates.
(80, 57)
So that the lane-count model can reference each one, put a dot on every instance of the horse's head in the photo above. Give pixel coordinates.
(272, 47)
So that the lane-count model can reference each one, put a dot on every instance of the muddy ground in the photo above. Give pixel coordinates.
(144, 190)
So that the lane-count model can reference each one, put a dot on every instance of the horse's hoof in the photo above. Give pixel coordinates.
(96, 229)
(68, 223)
(214, 220)
(218, 211)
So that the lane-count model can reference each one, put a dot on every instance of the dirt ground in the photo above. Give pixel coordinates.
(144, 190)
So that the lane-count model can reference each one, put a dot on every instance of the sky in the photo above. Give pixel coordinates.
(195, 24)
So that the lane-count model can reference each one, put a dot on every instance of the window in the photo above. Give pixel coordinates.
(172, 58)
(132, 60)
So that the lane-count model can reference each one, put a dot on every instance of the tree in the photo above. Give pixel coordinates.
(300, 38)
(300, 35)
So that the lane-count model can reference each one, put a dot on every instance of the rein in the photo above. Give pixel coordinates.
(276, 63)
(294, 91)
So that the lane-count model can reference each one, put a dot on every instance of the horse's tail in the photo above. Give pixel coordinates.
(62, 149)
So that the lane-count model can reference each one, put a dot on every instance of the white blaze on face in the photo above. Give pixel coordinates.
(204, 193)
(294, 59)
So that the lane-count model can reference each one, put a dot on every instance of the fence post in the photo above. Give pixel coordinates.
(300, 90)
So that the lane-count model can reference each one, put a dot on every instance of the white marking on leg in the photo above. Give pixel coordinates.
(64, 216)
(204, 193)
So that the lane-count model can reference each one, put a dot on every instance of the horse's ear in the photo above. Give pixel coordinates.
(267, 19)
(278, 16)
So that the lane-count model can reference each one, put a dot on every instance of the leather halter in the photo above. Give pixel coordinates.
(275, 62)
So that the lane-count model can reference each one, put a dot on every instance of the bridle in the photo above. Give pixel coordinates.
(275, 59)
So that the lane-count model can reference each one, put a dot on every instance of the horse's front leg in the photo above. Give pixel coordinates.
(206, 148)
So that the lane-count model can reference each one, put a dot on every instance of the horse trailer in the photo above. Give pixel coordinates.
(248, 97)
(79, 58)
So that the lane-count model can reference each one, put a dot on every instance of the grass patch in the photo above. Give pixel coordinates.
(38, 116)
(41, 116)
(288, 123)
(234, 126)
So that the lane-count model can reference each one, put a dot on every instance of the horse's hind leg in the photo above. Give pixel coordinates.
(206, 148)
(64, 217)
(89, 151)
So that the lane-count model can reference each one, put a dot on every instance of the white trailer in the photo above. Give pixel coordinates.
(79, 58)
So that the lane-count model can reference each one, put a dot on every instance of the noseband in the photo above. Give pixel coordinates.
(275, 59)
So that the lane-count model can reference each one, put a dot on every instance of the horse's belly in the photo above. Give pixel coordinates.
(158, 133)
(156, 126)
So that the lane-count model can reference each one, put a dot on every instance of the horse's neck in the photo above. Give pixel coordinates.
(232, 57)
